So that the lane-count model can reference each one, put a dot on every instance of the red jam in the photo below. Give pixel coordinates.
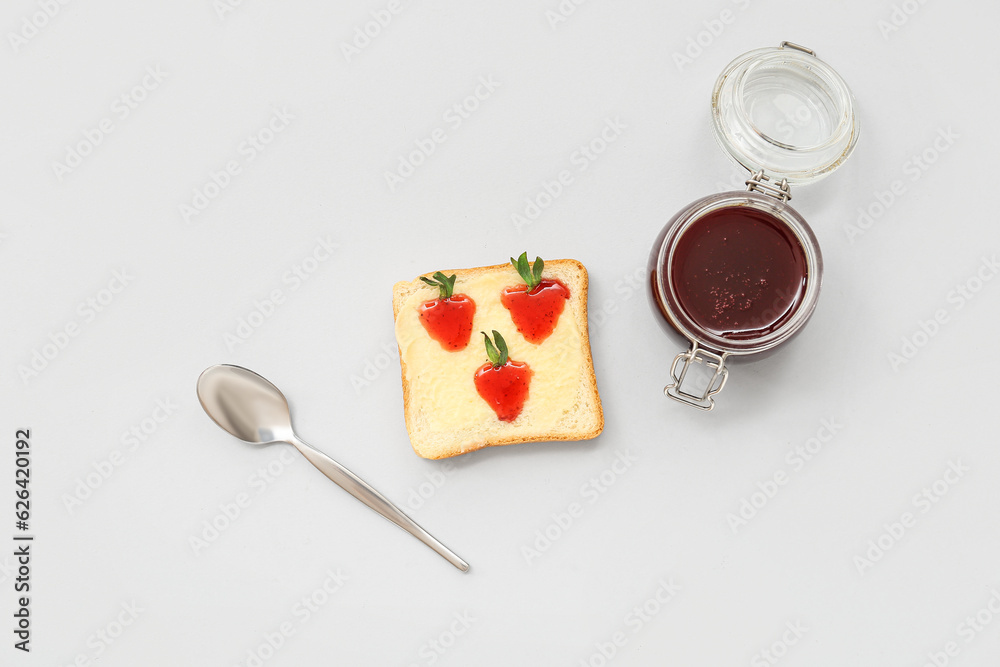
(449, 321)
(739, 273)
(536, 313)
(504, 388)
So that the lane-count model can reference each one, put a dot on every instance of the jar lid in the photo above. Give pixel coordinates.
(785, 112)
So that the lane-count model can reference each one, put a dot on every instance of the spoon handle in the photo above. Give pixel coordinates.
(360, 489)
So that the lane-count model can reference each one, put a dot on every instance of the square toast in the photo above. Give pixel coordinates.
(446, 416)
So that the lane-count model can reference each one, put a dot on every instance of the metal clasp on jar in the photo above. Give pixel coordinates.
(696, 355)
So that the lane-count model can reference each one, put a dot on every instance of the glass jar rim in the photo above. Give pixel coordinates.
(784, 214)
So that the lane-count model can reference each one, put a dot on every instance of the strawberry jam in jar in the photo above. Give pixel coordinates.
(738, 273)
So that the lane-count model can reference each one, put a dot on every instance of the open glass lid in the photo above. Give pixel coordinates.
(784, 112)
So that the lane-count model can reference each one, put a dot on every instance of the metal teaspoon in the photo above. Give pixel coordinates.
(255, 411)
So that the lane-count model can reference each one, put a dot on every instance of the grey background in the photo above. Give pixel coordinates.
(329, 344)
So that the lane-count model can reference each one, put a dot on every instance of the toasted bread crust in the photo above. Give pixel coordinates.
(402, 290)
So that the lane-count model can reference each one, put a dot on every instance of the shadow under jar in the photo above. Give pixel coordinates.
(739, 273)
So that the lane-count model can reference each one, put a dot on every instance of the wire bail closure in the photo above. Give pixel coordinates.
(792, 45)
(760, 182)
(703, 401)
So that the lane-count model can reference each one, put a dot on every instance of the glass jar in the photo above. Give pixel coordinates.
(739, 273)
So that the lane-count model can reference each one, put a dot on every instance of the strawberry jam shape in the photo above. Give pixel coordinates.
(448, 318)
(536, 305)
(503, 382)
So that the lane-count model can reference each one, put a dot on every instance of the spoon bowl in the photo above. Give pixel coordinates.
(245, 404)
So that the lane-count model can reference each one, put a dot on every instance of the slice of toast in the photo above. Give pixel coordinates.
(445, 416)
